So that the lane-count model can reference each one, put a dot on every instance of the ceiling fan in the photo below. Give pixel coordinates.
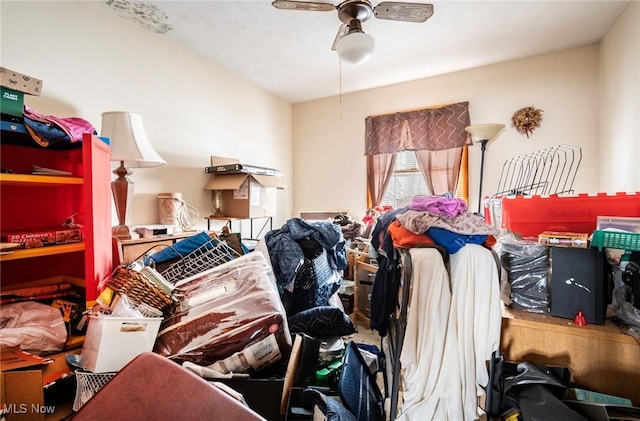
(351, 43)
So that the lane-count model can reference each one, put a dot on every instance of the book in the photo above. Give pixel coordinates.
(37, 170)
(42, 237)
(241, 168)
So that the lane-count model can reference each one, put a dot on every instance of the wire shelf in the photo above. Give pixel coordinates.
(88, 384)
(209, 255)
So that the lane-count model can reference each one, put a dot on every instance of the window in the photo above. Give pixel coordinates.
(406, 181)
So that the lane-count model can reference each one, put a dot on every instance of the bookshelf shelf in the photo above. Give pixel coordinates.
(26, 180)
(41, 251)
(43, 200)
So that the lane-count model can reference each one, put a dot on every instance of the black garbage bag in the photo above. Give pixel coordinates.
(534, 389)
(537, 403)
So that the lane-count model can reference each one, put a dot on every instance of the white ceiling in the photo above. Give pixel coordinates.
(288, 52)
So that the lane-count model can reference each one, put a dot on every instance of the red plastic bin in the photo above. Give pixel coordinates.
(531, 215)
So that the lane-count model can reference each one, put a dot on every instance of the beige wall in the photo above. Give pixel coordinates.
(91, 61)
(329, 169)
(619, 146)
(590, 96)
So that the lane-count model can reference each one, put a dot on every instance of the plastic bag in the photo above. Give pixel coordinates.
(526, 264)
(32, 326)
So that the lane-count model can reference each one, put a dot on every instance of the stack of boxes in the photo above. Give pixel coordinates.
(13, 87)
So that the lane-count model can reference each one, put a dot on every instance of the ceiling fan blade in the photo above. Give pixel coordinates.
(342, 31)
(303, 5)
(405, 12)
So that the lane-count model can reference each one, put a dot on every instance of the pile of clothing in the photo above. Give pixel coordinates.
(453, 324)
(48, 130)
(307, 258)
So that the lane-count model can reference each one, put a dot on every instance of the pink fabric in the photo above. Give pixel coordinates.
(438, 205)
(74, 127)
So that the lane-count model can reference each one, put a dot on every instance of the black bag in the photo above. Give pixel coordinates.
(357, 387)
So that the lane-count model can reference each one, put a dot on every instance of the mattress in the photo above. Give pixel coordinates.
(230, 318)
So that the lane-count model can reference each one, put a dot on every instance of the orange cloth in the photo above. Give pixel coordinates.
(403, 238)
(490, 241)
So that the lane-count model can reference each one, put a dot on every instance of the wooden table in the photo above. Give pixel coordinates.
(600, 357)
(130, 250)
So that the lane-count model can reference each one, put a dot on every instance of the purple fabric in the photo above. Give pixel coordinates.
(74, 127)
(438, 205)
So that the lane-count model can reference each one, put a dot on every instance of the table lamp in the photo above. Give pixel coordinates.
(130, 146)
(483, 133)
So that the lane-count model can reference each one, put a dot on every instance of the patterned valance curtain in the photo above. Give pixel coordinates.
(436, 134)
(432, 129)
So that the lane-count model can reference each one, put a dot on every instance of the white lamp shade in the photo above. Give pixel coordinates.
(356, 47)
(486, 131)
(129, 142)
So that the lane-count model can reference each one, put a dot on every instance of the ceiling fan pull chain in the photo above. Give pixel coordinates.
(340, 79)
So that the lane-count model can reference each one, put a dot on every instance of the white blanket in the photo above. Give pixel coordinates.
(453, 327)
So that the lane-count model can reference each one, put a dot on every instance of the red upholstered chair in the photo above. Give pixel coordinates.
(154, 388)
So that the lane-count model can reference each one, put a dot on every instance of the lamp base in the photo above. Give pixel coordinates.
(122, 189)
(121, 232)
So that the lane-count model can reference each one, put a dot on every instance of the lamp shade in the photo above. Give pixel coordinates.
(355, 47)
(486, 131)
(129, 142)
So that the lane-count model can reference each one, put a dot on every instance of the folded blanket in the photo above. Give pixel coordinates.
(48, 129)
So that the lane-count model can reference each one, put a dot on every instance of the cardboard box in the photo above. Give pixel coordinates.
(25, 378)
(245, 195)
(564, 239)
(43, 237)
(19, 82)
(111, 342)
(11, 102)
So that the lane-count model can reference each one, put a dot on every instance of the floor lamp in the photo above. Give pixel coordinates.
(131, 148)
(483, 133)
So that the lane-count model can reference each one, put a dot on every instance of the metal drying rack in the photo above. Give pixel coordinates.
(210, 254)
(548, 171)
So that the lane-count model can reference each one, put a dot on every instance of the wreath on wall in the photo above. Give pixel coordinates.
(526, 120)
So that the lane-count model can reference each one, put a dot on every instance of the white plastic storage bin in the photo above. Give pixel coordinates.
(111, 342)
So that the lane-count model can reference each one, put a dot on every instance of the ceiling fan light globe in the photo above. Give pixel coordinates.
(356, 47)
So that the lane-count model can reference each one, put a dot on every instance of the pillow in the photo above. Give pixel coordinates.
(322, 321)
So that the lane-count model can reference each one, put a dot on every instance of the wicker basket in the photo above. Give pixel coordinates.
(142, 287)
(88, 385)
